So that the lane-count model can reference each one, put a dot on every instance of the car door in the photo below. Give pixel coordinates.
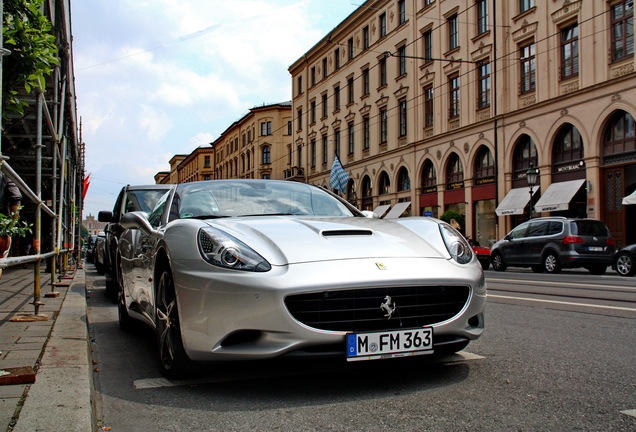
(534, 242)
(516, 242)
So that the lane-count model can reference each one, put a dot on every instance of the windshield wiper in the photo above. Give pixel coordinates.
(274, 214)
(205, 217)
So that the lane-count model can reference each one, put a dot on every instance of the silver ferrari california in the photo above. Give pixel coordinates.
(257, 269)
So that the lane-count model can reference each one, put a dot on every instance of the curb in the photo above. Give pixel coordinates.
(60, 399)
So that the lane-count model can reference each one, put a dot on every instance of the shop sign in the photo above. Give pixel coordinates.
(568, 168)
(429, 189)
(485, 181)
(455, 185)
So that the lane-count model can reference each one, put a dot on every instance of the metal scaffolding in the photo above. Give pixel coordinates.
(42, 152)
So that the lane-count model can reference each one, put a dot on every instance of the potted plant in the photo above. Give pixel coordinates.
(11, 226)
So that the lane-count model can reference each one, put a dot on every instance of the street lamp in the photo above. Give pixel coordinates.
(531, 177)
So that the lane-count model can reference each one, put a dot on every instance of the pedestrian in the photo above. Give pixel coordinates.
(10, 198)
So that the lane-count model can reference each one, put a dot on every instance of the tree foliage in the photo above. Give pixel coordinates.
(448, 215)
(27, 34)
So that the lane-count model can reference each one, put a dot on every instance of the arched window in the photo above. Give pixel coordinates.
(454, 170)
(404, 181)
(267, 157)
(385, 183)
(351, 192)
(367, 192)
(525, 153)
(619, 138)
(429, 176)
(567, 150)
(484, 163)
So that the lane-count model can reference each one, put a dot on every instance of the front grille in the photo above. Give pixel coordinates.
(358, 310)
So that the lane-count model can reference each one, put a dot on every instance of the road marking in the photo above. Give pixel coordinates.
(630, 412)
(564, 303)
(569, 284)
(151, 383)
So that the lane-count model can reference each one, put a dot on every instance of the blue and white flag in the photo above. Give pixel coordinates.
(339, 177)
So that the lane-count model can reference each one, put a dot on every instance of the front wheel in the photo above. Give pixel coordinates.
(551, 263)
(173, 360)
(497, 262)
(625, 264)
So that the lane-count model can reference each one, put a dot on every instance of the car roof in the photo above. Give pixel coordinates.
(150, 187)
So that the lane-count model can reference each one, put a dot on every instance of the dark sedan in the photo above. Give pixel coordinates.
(624, 261)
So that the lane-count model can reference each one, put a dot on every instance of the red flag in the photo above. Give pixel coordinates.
(85, 184)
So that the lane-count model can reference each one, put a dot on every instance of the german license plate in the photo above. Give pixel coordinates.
(399, 343)
(595, 248)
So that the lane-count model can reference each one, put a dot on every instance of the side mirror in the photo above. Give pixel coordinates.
(105, 216)
(137, 220)
(369, 214)
(507, 237)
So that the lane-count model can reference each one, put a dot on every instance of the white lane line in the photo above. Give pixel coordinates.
(630, 412)
(569, 284)
(151, 383)
(564, 303)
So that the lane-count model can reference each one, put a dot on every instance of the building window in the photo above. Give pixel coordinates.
(567, 150)
(325, 147)
(454, 170)
(428, 106)
(525, 5)
(206, 162)
(350, 90)
(312, 112)
(485, 164)
(336, 141)
(483, 77)
(267, 155)
(570, 51)
(313, 153)
(403, 117)
(382, 24)
(366, 132)
(622, 22)
(401, 12)
(299, 153)
(350, 48)
(351, 138)
(336, 58)
(324, 68)
(365, 38)
(385, 183)
(453, 95)
(267, 176)
(325, 106)
(266, 128)
(383, 126)
(619, 135)
(404, 181)
(402, 60)
(427, 39)
(290, 156)
(365, 81)
(429, 176)
(299, 119)
(528, 68)
(336, 98)
(382, 71)
(453, 33)
(289, 128)
(313, 75)
(525, 153)
(300, 84)
(482, 16)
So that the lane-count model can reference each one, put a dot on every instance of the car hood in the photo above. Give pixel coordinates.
(285, 240)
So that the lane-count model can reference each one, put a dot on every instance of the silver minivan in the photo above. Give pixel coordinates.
(550, 244)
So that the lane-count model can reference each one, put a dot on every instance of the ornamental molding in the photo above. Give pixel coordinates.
(526, 30)
(569, 10)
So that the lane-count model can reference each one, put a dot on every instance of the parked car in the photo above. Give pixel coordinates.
(90, 248)
(550, 244)
(482, 253)
(624, 261)
(257, 269)
(130, 198)
(100, 253)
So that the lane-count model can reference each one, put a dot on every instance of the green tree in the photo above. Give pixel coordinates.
(448, 215)
(26, 32)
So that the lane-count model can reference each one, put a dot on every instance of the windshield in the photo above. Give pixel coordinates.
(231, 198)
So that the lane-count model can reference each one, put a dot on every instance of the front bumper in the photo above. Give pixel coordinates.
(233, 315)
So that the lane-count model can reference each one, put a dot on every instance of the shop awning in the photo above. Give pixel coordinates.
(380, 210)
(397, 210)
(515, 201)
(630, 199)
(558, 196)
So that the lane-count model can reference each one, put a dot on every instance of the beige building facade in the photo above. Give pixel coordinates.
(448, 103)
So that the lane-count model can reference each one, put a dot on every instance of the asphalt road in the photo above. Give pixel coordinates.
(558, 354)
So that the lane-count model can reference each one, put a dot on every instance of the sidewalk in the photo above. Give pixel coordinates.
(54, 352)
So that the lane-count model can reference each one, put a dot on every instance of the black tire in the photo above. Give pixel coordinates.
(625, 264)
(497, 261)
(125, 321)
(597, 269)
(537, 268)
(173, 360)
(551, 263)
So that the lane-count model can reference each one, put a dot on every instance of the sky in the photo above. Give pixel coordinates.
(163, 77)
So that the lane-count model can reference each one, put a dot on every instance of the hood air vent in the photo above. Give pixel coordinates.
(346, 232)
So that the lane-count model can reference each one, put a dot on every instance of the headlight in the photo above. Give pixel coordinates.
(456, 244)
(223, 250)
